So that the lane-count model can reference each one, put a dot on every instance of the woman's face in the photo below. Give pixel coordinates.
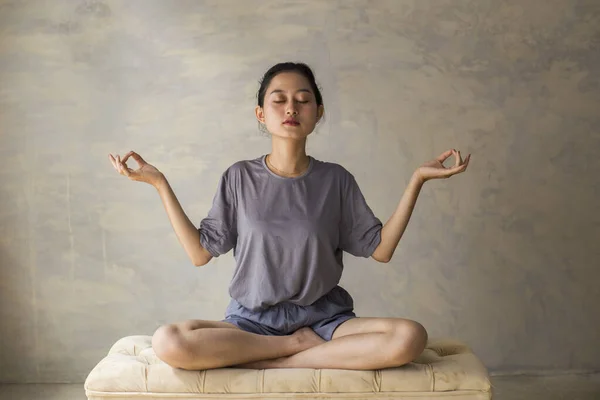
(289, 95)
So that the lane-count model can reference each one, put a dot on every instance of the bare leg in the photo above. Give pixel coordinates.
(398, 342)
(270, 363)
(198, 345)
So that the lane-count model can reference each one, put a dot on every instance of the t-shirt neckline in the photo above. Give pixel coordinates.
(311, 162)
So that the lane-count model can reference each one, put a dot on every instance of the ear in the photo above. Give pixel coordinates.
(320, 112)
(260, 115)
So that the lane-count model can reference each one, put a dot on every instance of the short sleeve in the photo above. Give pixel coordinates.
(218, 230)
(360, 229)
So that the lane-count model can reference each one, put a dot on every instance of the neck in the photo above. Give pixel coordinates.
(288, 156)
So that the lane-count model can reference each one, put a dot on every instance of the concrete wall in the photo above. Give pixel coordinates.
(504, 257)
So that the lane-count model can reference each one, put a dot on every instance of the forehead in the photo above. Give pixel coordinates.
(289, 82)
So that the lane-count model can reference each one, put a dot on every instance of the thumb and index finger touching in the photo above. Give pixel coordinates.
(123, 160)
(135, 156)
(120, 163)
(442, 157)
(459, 164)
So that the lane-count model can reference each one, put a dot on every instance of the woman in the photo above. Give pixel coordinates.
(289, 217)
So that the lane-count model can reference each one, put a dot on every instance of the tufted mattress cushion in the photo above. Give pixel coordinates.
(446, 369)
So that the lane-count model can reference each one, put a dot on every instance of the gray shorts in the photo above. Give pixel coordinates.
(323, 316)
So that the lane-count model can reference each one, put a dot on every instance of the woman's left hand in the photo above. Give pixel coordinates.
(435, 169)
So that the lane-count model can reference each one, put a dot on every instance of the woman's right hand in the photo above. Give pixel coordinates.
(145, 173)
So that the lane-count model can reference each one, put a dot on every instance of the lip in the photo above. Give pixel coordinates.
(292, 123)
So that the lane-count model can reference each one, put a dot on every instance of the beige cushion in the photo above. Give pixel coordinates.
(446, 369)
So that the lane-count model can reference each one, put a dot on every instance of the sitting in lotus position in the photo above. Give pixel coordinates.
(288, 218)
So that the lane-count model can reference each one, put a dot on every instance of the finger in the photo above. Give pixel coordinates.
(127, 156)
(442, 157)
(138, 158)
(466, 163)
(115, 164)
(457, 159)
(121, 167)
(112, 161)
(126, 171)
(461, 167)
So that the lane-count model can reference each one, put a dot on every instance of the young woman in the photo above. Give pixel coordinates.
(289, 217)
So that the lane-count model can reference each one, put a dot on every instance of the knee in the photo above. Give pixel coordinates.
(170, 346)
(411, 339)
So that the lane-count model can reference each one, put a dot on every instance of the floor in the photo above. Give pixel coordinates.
(560, 387)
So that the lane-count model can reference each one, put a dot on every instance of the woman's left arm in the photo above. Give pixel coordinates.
(394, 228)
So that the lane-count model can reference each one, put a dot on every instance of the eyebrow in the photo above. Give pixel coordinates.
(281, 91)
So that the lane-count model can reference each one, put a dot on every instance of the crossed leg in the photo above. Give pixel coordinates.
(198, 344)
(359, 344)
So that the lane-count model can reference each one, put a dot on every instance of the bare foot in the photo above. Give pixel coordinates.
(307, 338)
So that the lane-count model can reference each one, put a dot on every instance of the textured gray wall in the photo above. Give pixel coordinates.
(504, 256)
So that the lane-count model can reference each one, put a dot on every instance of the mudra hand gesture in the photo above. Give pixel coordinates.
(145, 173)
(435, 169)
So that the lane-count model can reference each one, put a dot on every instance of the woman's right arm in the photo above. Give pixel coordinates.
(186, 232)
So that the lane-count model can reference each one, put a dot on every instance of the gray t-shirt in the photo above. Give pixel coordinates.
(288, 234)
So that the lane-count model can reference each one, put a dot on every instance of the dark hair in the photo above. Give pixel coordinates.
(299, 68)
